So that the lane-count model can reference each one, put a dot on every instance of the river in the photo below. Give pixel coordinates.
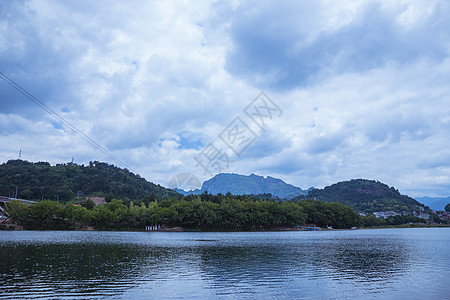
(353, 264)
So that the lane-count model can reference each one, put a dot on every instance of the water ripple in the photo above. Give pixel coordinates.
(301, 265)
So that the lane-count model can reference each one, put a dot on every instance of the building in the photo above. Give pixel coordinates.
(444, 216)
(424, 216)
(385, 214)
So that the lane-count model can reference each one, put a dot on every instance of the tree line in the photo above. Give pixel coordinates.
(203, 212)
(220, 212)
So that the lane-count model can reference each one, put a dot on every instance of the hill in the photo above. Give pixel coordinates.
(35, 181)
(435, 203)
(248, 185)
(364, 196)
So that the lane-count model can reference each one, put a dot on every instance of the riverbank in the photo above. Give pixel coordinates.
(415, 226)
(9, 225)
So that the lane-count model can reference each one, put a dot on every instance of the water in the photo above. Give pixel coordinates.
(361, 264)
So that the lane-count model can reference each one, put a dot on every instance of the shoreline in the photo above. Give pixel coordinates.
(15, 227)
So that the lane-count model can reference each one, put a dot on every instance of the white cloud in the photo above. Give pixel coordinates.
(363, 86)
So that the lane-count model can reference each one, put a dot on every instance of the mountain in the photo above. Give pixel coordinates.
(62, 182)
(185, 193)
(364, 196)
(245, 185)
(435, 203)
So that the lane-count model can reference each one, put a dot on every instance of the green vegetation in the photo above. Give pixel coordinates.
(447, 207)
(365, 196)
(152, 204)
(372, 221)
(37, 181)
(204, 212)
(333, 214)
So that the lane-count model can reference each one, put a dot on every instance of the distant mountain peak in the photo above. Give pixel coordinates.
(250, 184)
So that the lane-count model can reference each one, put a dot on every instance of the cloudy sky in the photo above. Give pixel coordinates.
(356, 89)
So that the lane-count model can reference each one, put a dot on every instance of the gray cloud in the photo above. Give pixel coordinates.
(435, 160)
(283, 46)
(363, 87)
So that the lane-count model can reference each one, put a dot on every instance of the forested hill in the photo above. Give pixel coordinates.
(62, 182)
(364, 196)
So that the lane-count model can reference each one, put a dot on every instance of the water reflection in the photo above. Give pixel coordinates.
(363, 260)
(65, 269)
(295, 262)
(298, 265)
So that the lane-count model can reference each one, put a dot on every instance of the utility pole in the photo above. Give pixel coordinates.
(15, 197)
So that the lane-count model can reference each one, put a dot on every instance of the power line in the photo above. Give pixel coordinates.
(61, 119)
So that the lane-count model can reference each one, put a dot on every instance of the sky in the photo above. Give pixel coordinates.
(311, 92)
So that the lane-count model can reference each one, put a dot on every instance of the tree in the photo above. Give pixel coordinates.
(89, 204)
(447, 207)
(19, 212)
(26, 194)
(371, 220)
(109, 197)
(102, 216)
(333, 214)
